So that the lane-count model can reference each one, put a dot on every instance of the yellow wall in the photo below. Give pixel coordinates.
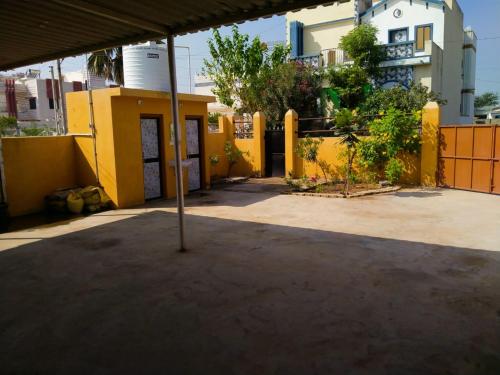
(331, 151)
(33, 168)
(117, 114)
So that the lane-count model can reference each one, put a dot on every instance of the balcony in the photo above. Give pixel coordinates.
(326, 57)
(399, 50)
(398, 54)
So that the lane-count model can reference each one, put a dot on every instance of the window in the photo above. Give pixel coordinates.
(398, 36)
(32, 103)
(51, 103)
(422, 34)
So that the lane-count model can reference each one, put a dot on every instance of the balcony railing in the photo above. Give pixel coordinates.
(401, 50)
(337, 56)
(313, 60)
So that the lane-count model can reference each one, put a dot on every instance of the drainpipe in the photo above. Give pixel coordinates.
(55, 101)
(92, 121)
(62, 103)
(177, 143)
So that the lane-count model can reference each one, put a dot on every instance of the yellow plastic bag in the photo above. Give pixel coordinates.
(90, 195)
(75, 203)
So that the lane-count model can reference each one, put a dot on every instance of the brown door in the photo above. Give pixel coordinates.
(469, 157)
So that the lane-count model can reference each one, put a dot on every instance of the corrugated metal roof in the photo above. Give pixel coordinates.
(36, 31)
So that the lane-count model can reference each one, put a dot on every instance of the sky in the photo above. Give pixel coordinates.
(482, 15)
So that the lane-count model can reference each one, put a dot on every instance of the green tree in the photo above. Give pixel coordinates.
(361, 45)
(108, 64)
(486, 99)
(407, 100)
(233, 155)
(278, 88)
(352, 83)
(235, 64)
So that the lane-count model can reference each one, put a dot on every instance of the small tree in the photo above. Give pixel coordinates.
(108, 64)
(233, 155)
(347, 123)
(308, 150)
(486, 99)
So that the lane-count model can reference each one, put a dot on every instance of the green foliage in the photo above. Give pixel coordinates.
(347, 123)
(361, 45)
(7, 123)
(249, 77)
(213, 117)
(350, 82)
(390, 135)
(407, 100)
(486, 99)
(108, 64)
(393, 170)
(236, 62)
(233, 154)
(33, 132)
(214, 159)
(277, 89)
(308, 149)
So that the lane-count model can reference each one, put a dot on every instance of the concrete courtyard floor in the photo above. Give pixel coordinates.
(403, 283)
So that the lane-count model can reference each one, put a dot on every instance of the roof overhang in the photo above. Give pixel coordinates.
(36, 31)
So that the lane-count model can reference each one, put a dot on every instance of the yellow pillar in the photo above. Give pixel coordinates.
(431, 117)
(259, 128)
(229, 128)
(291, 128)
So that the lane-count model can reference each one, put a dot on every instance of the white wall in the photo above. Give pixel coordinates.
(413, 15)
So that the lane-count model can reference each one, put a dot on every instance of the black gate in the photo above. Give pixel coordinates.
(275, 153)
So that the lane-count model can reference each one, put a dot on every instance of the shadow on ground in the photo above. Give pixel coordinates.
(248, 298)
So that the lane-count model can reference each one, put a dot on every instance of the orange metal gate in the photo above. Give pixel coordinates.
(469, 157)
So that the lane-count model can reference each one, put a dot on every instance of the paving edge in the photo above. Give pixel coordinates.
(389, 189)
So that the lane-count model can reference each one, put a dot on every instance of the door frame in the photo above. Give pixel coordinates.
(161, 156)
(201, 145)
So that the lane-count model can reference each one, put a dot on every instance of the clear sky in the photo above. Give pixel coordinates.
(482, 15)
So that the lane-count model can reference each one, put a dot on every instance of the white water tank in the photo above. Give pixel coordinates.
(145, 66)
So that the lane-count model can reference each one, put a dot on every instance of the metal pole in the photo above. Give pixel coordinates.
(92, 122)
(62, 104)
(54, 100)
(177, 143)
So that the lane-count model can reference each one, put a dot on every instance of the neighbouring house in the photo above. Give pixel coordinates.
(204, 86)
(30, 98)
(425, 42)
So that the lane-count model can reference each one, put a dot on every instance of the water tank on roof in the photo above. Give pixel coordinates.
(145, 66)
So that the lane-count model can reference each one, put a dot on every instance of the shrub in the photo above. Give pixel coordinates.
(233, 154)
(390, 135)
(393, 170)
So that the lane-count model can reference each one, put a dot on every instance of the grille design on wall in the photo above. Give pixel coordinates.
(399, 51)
(401, 74)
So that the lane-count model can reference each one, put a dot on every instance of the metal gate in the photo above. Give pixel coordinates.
(275, 153)
(469, 157)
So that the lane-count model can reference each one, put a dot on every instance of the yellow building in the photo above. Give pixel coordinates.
(134, 147)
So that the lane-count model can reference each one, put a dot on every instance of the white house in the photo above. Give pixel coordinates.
(425, 42)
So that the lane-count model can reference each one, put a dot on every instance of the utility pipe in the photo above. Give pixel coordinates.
(92, 121)
(55, 102)
(62, 104)
(177, 142)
